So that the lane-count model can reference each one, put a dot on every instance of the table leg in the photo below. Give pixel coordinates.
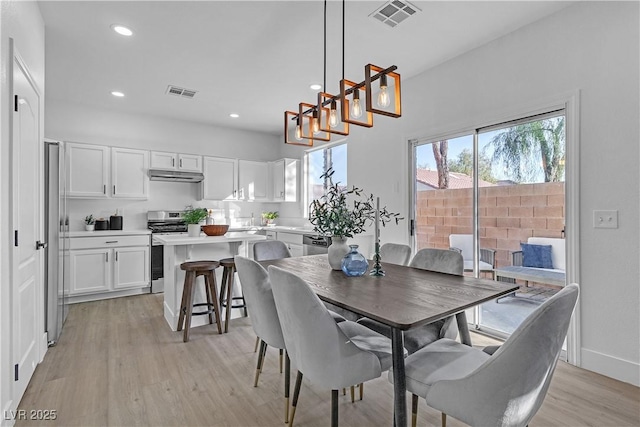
(463, 328)
(399, 379)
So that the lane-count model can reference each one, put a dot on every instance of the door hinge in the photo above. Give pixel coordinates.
(15, 373)
(15, 103)
(15, 238)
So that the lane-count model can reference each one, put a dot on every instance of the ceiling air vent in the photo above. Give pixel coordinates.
(394, 12)
(178, 91)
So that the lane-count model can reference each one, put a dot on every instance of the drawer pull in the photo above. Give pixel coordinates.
(111, 241)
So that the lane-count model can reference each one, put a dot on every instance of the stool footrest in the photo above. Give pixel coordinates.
(241, 305)
(201, 313)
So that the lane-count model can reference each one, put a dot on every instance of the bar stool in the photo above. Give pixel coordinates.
(193, 269)
(229, 268)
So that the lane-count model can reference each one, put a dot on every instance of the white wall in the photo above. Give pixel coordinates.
(590, 47)
(78, 123)
(21, 21)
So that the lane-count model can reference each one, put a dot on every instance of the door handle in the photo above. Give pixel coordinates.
(40, 245)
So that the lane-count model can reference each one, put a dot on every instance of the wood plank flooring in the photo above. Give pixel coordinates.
(117, 363)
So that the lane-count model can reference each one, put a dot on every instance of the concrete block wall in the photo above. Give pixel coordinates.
(508, 216)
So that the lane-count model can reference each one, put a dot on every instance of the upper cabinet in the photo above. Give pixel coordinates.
(176, 161)
(253, 180)
(220, 178)
(96, 172)
(129, 178)
(284, 176)
(87, 170)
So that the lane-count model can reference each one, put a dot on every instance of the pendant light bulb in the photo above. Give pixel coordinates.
(356, 108)
(298, 134)
(333, 115)
(383, 96)
(315, 125)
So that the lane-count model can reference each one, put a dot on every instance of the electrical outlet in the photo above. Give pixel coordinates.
(605, 219)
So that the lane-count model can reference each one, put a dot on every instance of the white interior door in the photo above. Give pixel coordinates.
(27, 287)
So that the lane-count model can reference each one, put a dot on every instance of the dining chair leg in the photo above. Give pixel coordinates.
(353, 395)
(296, 393)
(414, 410)
(444, 420)
(334, 407)
(361, 390)
(255, 348)
(259, 367)
(287, 385)
(280, 360)
(264, 355)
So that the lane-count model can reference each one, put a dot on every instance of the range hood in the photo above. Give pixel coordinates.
(175, 176)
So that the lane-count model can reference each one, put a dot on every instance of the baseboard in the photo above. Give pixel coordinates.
(613, 367)
(44, 346)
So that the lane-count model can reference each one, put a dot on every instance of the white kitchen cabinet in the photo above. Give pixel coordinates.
(176, 161)
(284, 179)
(87, 170)
(220, 178)
(108, 266)
(129, 179)
(293, 242)
(253, 180)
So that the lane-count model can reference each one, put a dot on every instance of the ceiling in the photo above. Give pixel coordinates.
(253, 58)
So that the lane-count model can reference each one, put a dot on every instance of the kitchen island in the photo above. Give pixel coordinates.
(179, 248)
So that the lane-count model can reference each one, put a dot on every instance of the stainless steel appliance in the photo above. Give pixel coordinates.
(56, 278)
(162, 222)
(312, 244)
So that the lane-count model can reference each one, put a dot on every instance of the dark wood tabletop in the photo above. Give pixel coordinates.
(404, 298)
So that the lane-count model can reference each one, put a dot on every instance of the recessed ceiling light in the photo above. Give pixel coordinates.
(118, 94)
(315, 86)
(122, 30)
(234, 115)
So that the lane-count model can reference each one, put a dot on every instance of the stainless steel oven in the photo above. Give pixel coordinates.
(313, 244)
(162, 222)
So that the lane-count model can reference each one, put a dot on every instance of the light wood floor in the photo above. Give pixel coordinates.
(118, 364)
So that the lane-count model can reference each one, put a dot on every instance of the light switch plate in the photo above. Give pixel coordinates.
(605, 219)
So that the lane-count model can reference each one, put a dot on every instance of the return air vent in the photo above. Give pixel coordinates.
(394, 12)
(179, 91)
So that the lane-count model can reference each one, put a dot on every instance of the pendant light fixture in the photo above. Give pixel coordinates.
(334, 113)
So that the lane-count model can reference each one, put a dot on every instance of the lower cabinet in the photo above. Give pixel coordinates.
(109, 266)
(293, 242)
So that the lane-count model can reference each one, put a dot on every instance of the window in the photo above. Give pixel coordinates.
(316, 163)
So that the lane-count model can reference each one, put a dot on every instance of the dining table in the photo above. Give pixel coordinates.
(404, 298)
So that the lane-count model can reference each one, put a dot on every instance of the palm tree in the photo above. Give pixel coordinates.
(520, 146)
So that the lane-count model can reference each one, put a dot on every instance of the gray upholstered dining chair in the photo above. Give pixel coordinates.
(463, 243)
(395, 253)
(270, 249)
(442, 261)
(264, 317)
(503, 389)
(329, 354)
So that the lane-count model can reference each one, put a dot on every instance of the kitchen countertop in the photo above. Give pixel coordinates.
(230, 237)
(99, 233)
(280, 228)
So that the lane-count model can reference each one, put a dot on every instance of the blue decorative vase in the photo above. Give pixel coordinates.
(354, 263)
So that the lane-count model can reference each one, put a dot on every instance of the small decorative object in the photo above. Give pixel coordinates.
(334, 215)
(210, 220)
(354, 263)
(268, 218)
(115, 221)
(89, 222)
(215, 230)
(336, 251)
(377, 267)
(193, 216)
(101, 224)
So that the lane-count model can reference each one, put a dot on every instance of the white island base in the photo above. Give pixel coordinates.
(178, 249)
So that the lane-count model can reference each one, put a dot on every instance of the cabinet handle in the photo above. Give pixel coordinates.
(107, 256)
(114, 189)
(173, 162)
(180, 162)
(111, 241)
(104, 189)
(116, 256)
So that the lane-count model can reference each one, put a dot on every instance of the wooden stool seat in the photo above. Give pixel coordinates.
(193, 269)
(226, 290)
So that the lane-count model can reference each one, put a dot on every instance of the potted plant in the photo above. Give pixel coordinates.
(269, 217)
(193, 216)
(342, 213)
(89, 222)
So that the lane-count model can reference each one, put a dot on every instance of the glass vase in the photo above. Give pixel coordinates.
(354, 263)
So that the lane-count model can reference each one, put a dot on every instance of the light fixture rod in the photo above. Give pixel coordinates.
(324, 79)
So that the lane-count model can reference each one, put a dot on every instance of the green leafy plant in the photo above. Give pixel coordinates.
(193, 215)
(89, 219)
(344, 212)
(270, 215)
